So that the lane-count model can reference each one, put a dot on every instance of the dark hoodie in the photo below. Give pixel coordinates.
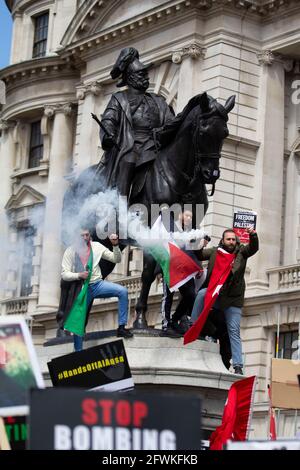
(233, 291)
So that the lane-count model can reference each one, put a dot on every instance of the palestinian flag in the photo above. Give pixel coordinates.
(75, 322)
(176, 265)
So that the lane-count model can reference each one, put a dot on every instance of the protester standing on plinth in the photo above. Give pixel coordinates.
(225, 289)
(80, 264)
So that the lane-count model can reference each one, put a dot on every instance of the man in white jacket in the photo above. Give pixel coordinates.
(74, 269)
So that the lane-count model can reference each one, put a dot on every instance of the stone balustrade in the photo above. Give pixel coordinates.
(284, 277)
(18, 306)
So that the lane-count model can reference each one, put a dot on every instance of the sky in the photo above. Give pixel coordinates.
(5, 34)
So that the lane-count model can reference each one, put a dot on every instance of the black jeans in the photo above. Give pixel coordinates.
(185, 305)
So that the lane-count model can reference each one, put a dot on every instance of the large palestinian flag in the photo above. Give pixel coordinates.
(75, 322)
(177, 266)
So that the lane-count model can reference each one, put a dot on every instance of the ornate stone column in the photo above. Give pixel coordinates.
(52, 250)
(7, 156)
(268, 185)
(17, 46)
(190, 83)
(89, 129)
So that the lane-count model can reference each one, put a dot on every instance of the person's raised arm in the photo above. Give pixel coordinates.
(114, 256)
(253, 245)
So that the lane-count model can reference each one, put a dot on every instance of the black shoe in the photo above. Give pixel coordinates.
(185, 324)
(61, 333)
(122, 332)
(175, 326)
(170, 333)
(202, 338)
(238, 370)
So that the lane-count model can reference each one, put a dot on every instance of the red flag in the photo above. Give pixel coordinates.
(237, 414)
(220, 273)
(272, 429)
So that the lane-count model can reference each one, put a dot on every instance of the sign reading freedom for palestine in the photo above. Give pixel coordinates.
(242, 220)
(102, 367)
(88, 420)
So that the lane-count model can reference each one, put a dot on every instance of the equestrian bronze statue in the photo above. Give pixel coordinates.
(152, 156)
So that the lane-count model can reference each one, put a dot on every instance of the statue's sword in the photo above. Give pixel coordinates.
(105, 130)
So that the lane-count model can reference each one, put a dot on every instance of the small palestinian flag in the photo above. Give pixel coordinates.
(176, 265)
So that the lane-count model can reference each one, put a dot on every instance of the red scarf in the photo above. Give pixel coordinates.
(220, 273)
(84, 254)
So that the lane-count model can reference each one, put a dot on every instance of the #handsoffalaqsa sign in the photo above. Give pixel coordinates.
(102, 367)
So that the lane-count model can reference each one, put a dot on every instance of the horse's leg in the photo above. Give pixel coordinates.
(148, 277)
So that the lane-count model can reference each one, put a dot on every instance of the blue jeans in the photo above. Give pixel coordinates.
(233, 321)
(103, 290)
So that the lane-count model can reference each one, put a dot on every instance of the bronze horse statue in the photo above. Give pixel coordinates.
(188, 155)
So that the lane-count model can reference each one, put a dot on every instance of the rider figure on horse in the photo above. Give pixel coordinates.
(128, 122)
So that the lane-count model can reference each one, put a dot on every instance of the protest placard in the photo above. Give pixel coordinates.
(16, 430)
(103, 367)
(19, 368)
(242, 220)
(92, 420)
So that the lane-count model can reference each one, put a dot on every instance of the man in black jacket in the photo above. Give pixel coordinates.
(231, 297)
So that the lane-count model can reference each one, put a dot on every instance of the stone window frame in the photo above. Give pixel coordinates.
(20, 217)
(283, 334)
(22, 138)
(33, 11)
(22, 229)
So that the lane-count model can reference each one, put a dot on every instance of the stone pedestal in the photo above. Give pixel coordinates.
(165, 364)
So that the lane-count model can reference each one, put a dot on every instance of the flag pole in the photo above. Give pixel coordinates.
(277, 335)
(277, 356)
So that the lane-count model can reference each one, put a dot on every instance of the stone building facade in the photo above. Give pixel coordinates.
(61, 55)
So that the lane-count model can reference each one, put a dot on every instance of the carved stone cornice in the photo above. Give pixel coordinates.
(82, 90)
(87, 32)
(194, 50)
(38, 69)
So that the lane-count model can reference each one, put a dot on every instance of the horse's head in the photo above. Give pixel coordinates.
(209, 133)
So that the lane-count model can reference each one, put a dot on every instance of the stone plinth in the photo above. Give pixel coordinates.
(164, 364)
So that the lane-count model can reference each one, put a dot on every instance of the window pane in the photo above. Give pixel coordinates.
(27, 236)
(287, 344)
(36, 145)
(287, 340)
(40, 35)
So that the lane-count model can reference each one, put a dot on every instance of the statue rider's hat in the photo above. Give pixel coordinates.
(127, 62)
